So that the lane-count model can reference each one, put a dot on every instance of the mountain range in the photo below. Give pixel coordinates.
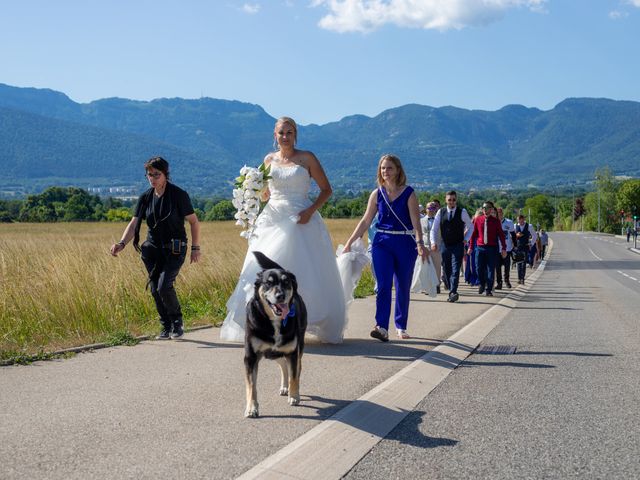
(48, 139)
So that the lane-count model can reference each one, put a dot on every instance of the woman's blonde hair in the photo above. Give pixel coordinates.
(402, 178)
(282, 121)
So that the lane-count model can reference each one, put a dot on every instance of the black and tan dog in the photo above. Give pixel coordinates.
(275, 328)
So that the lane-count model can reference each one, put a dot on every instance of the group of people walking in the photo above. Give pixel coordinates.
(292, 233)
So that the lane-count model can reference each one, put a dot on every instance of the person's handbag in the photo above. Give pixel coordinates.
(518, 255)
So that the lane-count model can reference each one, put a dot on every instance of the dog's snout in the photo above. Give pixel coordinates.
(280, 295)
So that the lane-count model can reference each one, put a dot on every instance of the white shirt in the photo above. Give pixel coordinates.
(508, 227)
(435, 236)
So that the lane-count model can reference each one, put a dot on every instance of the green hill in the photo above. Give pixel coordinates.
(46, 138)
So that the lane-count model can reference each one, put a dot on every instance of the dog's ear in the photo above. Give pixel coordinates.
(294, 282)
(265, 262)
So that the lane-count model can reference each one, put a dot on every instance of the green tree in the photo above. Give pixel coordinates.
(541, 211)
(223, 210)
(628, 198)
(121, 214)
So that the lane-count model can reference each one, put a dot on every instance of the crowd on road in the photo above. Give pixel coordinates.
(403, 236)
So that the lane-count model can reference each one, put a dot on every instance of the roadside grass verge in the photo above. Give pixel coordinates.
(60, 287)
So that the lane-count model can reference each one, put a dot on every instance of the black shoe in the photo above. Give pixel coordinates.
(508, 284)
(438, 289)
(177, 333)
(453, 297)
(489, 294)
(499, 286)
(380, 334)
(165, 334)
(481, 290)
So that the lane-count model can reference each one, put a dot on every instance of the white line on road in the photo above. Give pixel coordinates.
(628, 276)
(594, 254)
(332, 448)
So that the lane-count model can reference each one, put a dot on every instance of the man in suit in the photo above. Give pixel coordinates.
(451, 227)
(427, 226)
(487, 232)
(524, 233)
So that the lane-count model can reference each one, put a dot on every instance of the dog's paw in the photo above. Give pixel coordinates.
(284, 391)
(252, 412)
(293, 401)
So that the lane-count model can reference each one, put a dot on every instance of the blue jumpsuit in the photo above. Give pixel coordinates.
(394, 257)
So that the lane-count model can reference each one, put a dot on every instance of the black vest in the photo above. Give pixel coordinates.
(523, 241)
(452, 231)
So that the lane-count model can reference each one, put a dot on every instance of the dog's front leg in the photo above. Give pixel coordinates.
(284, 376)
(251, 380)
(293, 362)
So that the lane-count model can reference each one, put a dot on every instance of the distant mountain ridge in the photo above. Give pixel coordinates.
(47, 138)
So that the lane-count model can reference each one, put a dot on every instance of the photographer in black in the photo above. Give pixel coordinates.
(165, 208)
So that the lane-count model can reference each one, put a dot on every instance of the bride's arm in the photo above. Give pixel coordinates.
(265, 193)
(365, 221)
(317, 173)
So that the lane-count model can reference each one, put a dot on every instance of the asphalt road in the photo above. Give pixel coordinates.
(565, 405)
(174, 409)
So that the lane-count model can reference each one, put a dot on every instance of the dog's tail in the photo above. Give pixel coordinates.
(265, 262)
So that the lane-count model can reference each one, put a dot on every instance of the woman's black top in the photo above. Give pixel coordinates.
(165, 214)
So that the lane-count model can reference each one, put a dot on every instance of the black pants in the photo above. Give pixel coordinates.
(506, 263)
(163, 268)
(522, 266)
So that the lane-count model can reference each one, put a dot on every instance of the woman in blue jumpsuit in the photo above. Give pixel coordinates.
(397, 242)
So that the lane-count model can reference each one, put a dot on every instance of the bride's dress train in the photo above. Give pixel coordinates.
(306, 250)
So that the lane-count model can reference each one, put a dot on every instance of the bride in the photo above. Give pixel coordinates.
(291, 232)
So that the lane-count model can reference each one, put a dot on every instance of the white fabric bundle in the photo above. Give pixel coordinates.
(425, 278)
(350, 266)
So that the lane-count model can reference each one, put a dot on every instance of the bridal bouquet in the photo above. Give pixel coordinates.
(246, 197)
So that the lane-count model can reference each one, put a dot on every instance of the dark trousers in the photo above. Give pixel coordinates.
(163, 268)
(522, 266)
(486, 257)
(451, 263)
(500, 264)
(544, 249)
(393, 258)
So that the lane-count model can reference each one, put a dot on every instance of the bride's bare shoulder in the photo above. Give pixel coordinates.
(269, 157)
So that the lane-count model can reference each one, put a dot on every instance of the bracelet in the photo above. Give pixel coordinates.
(420, 242)
(121, 243)
(195, 247)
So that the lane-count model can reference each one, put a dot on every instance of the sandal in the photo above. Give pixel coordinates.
(380, 333)
(403, 335)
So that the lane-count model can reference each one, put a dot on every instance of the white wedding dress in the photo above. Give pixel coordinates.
(305, 250)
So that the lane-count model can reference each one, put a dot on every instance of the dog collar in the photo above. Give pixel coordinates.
(292, 313)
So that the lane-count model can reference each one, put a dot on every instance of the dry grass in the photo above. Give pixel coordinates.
(60, 287)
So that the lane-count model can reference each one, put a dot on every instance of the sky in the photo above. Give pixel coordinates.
(321, 60)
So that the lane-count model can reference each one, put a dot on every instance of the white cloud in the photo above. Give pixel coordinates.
(635, 3)
(251, 8)
(368, 15)
(617, 14)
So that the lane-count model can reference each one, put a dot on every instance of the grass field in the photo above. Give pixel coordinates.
(60, 287)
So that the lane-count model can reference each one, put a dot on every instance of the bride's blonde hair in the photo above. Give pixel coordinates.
(282, 121)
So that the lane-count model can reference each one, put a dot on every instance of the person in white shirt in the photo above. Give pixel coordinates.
(451, 228)
(427, 225)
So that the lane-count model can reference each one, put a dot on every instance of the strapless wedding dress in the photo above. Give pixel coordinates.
(306, 250)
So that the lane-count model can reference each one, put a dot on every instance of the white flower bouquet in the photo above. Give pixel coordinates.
(249, 187)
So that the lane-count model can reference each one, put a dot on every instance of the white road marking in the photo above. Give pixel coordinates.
(628, 276)
(594, 254)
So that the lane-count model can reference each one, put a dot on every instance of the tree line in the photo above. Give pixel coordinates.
(611, 205)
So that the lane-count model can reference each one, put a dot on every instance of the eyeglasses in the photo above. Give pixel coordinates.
(153, 175)
(486, 207)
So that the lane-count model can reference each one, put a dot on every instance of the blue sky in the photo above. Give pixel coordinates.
(321, 60)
